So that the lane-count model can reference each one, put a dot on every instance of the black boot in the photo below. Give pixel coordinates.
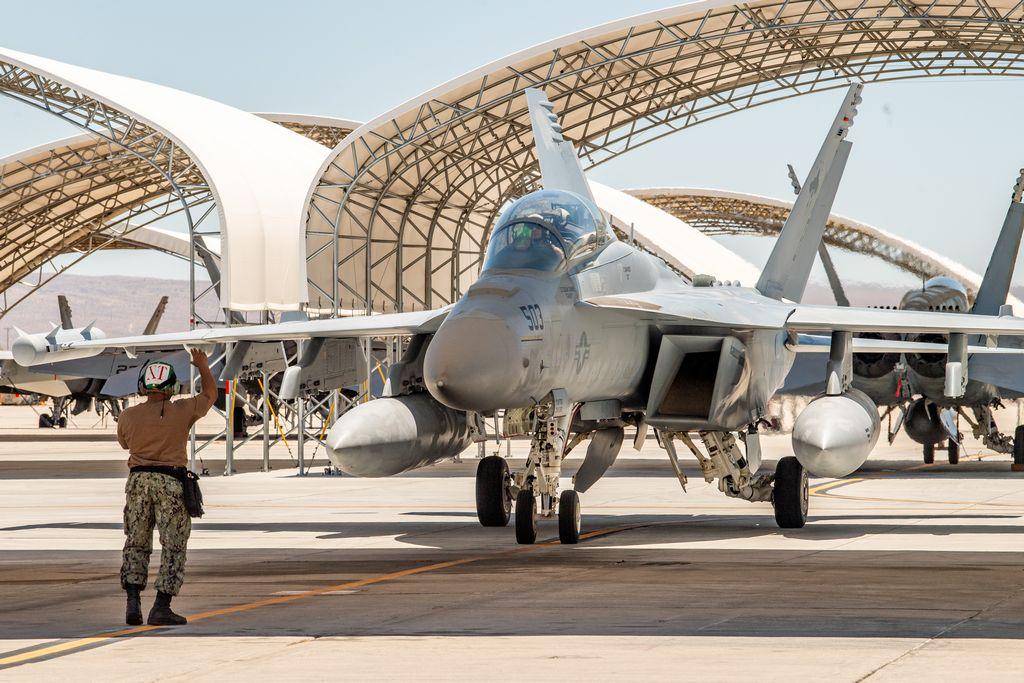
(133, 612)
(161, 614)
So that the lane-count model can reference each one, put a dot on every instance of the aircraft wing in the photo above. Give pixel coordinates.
(807, 343)
(734, 307)
(385, 324)
(831, 318)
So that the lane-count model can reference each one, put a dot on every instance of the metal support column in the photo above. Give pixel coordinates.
(300, 433)
(264, 380)
(229, 428)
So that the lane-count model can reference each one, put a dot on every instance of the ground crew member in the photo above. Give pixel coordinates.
(154, 433)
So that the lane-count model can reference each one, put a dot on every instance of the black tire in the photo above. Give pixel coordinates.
(929, 453)
(526, 517)
(1018, 445)
(62, 422)
(953, 452)
(493, 499)
(790, 494)
(569, 517)
(45, 421)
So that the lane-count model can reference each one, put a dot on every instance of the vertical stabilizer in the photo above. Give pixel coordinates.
(995, 286)
(65, 312)
(559, 166)
(158, 313)
(789, 266)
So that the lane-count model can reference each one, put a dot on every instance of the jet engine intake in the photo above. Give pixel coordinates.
(875, 365)
(834, 435)
(391, 435)
(931, 365)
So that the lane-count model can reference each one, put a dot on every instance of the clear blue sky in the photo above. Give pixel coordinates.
(933, 160)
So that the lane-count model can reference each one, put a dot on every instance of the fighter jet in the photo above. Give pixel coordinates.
(580, 334)
(911, 385)
(72, 390)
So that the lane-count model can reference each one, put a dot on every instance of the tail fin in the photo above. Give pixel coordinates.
(559, 166)
(785, 275)
(995, 286)
(154, 320)
(826, 261)
(65, 312)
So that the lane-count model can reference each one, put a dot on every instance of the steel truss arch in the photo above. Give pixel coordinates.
(79, 195)
(256, 172)
(409, 196)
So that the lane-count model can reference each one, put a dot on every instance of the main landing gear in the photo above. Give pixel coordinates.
(535, 488)
(787, 489)
(790, 494)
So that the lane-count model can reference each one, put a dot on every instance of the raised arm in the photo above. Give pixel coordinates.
(209, 384)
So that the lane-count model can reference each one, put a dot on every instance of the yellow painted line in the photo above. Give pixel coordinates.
(72, 645)
(819, 489)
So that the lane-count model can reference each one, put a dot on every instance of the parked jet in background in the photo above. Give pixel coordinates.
(583, 334)
(71, 392)
(912, 384)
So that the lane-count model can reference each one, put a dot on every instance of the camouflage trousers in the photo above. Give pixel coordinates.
(155, 499)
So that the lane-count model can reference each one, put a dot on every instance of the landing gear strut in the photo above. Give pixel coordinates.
(539, 479)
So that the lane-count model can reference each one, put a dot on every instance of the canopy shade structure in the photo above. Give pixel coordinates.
(84, 193)
(256, 172)
(719, 212)
(399, 216)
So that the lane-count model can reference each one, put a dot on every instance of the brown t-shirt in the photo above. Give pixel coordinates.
(155, 432)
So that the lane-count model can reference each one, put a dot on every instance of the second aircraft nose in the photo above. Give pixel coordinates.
(473, 363)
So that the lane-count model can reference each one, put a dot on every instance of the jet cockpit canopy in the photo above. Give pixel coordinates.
(947, 282)
(546, 229)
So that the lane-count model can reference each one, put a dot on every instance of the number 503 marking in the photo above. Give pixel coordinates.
(533, 316)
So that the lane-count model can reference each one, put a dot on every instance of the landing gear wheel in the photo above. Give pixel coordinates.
(953, 452)
(45, 421)
(526, 517)
(929, 453)
(1018, 449)
(493, 499)
(62, 422)
(569, 517)
(790, 494)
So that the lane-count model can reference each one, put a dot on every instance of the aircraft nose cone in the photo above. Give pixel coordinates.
(473, 363)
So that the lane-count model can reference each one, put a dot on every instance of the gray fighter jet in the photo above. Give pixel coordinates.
(911, 385)
(576, 333)
(74, 390)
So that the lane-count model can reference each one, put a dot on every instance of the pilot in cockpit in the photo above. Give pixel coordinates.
(539, 231)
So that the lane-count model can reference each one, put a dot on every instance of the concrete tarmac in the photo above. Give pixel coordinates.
(904, 572)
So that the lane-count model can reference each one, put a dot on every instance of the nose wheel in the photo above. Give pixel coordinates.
(493, 495)
(790, 494)
(569, 520)
(526, 517)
